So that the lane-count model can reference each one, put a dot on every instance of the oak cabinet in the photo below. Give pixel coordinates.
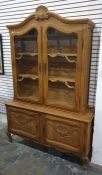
(50, 63)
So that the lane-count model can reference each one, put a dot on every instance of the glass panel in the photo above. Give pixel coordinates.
(26, 42)
(28, 88)
(62, 55)
(60, 42)
(27, 65)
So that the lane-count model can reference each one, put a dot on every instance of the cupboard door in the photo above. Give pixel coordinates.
(23, 122)
(27, 62)
(64, 134)
(62, 57)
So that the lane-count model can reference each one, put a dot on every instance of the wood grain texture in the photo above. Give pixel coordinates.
(63, 133)
(85, 116)
(24, 122)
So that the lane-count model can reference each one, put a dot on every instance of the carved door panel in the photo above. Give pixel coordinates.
(24, 123)
(62, 57)
(27, 63)
(64, 134)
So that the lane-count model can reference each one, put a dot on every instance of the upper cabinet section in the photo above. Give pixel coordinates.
(50, 58)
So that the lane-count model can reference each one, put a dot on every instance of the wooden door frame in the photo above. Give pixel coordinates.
(65, 28)
(18, 32)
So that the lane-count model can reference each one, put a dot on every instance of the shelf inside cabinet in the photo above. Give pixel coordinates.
(21, 77)
(70, 57)
(67, 81)
(54, 54)
(21, 54)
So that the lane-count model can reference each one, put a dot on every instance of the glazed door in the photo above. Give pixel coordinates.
(62, 58)
(27, 72)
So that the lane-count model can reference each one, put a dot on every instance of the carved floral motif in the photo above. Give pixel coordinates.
(65, 131)
(24, 123)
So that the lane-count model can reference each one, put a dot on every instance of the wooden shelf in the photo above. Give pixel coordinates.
(64, 80)
(21, 54)
(67, 56)
(57, 78)
(61, 54)
(30, 76)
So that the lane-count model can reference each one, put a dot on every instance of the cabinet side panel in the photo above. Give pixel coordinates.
(87, 141)
(87, 36)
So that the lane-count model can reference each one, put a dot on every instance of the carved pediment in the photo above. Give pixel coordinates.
(41, 13)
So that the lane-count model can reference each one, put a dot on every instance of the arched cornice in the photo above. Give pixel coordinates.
(42, 14)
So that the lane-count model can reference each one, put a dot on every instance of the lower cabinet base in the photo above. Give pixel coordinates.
(84, 160)
(63, 130)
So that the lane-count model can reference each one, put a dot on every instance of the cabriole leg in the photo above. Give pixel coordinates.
(9, 136)
(85, 162)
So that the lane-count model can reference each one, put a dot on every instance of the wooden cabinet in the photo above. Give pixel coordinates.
(50, 63)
